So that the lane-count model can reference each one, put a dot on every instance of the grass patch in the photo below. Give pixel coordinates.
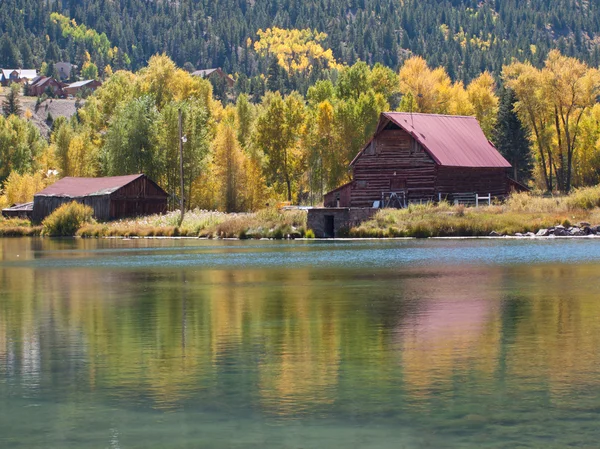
(66, 220)
(18, 227)
(267, 223)
(522, 213)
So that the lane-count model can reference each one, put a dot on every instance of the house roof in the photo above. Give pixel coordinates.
(78, 187)
(204, 72)
(80, 83)
(451, 140)
(22, 73)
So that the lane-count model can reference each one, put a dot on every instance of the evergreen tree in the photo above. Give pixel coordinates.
(12, 104)
(512, 138)
(10, 57)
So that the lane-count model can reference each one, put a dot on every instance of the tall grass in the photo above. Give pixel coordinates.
(18, 227)
(67, 219)
(522, 212)
(266, 223)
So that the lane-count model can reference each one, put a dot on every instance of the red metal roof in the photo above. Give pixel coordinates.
(77, 187)
(451, 140)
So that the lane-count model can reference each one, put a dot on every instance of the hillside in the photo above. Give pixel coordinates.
(464, 36)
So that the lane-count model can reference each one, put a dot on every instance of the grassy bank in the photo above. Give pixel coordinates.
(267, 223)
(17, 227)
(521, 213)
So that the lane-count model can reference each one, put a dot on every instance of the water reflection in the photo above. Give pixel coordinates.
(436, 354)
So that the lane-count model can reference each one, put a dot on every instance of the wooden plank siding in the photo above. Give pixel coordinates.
(393, 163)
(482, 181)
(139, 197)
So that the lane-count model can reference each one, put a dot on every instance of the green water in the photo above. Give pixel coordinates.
(149, 344)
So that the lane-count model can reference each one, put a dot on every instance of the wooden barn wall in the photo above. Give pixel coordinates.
(473, 180)
(393, 151)
(339, 197)
(140, 197)
(45, 205)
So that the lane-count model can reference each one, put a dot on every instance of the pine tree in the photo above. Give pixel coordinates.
(512, 138)
(12, 104)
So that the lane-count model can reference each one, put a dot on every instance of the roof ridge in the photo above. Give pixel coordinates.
(430, 114)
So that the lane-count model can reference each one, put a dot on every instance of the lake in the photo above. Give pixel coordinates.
(472, 343)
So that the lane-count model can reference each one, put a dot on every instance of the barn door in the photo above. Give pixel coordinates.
(397, 184)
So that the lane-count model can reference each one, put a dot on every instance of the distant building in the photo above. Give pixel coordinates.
(42, 84)
(421, 158)
(9, 76)
(416, 158)
(24, 210)
(75, 88)
(64, 69)
(110, 197)
(210, 73)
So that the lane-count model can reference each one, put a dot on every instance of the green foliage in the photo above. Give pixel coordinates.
(12, 104)
(67, 219)
(464, 36)
(512, 138)
(20, 145)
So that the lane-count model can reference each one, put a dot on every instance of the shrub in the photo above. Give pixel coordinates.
(67, 219)
(310, 234)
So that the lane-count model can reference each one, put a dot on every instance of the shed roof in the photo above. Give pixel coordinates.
(19, 207)
(80, 83)
(451, 140)
(78, 187)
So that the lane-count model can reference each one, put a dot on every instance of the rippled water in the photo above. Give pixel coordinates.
(384, 344)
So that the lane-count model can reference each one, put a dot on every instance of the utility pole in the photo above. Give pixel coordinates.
(181, 168)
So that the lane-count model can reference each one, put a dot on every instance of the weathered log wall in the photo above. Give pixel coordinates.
(393, 162)
(472, 180)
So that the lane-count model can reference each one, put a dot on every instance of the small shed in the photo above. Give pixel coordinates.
(210, 73)
(24, 210)
(111, 197)
(420, 158)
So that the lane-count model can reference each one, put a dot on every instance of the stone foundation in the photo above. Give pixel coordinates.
(331, 222)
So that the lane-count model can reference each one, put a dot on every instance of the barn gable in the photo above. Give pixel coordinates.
(110, 197)
(422, 157)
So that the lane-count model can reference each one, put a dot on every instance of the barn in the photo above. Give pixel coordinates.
(423, 157)
(110, 197)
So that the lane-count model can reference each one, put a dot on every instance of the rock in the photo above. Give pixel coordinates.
(518, 234)
(584, 224)
(560, 232)
(587, 230)
(559, 227)
(574, 230)
(494, 234)
(530, 234)
(543, 233)
(596, 229)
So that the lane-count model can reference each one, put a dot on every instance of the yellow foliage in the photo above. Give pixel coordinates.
(431, 91)
(167, 82)
(482, 96)
(295, 50)
(21, 188)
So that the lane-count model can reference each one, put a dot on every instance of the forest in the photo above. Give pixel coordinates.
(240, 155)
(466, 37)
(305, 100)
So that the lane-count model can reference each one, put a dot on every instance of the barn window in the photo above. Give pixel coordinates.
(361, 184)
